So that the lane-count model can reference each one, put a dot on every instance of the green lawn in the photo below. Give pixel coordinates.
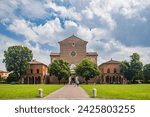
(137, 92)
(8, 91)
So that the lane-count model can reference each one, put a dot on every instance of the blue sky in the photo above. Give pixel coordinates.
(113, 28)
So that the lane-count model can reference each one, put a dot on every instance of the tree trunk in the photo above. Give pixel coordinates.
(86, 81)
(59, 81)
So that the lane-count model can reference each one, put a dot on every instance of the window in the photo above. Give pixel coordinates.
(115, 71)
(38, 71)
(73, 44)
(73, 53)
(108, 70)
(31, 71)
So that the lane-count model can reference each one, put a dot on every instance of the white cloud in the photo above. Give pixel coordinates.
(84, 33)
(88, 13)
(23, 27)
(65, 12)
(114, 49)
(5, 43)
(39, 54)
(26, 8)
(46, 33)
(39, 34)
(7, 7)
(70, 24)
(32, 8)
(105, 9)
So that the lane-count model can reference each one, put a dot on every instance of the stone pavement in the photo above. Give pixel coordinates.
(68, 92)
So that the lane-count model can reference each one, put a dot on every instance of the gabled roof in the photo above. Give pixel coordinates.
(73, 37)
(91, 54)
(54, 54)
(111, 62)
(34, 62)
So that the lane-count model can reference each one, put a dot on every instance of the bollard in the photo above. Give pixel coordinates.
(40, 92)
(94, 92)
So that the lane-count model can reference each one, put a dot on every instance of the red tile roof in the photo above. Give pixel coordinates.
(54, 54)
(73, 37)
(111, 62)
(34, 62)
(91, 54)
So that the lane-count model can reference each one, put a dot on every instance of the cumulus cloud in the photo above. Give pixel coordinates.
(23, 8)
(5, 43)
(39, 34)
(64, 12)
(23, 27)
(105, 9)
(39, 54)
(70, 24)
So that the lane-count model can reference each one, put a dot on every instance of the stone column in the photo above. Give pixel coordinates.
(34, 80)
(28, 80)
(118, 80)
(104, 80)
(111, 80)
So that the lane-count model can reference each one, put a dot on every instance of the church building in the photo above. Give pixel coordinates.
(73, 49)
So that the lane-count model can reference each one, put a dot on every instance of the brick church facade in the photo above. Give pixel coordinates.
(73, 50)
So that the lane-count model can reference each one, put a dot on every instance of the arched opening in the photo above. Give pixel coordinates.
(117, 79)
(38, 80)
(120, 80)
(102, 79)
(115, 70)
(25, 80)
(108, 70)
(31, 71)
(38, 71)
(107, 79)
(30, 80)
(114, 80)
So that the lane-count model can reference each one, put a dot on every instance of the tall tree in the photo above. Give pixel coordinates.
(60, 69)
(132, 70)
(136, 67)
(146, 71)
(17, 60)
(125, 69)
(87, 69)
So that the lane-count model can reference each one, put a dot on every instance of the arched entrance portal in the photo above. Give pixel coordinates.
(73, 78)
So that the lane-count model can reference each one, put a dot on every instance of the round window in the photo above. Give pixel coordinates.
(73, 53)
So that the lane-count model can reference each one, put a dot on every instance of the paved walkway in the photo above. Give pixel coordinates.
(68, 92)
